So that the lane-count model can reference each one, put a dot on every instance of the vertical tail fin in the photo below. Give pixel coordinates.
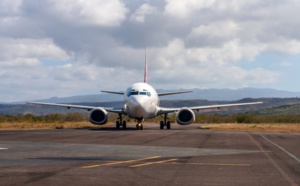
(146, 66)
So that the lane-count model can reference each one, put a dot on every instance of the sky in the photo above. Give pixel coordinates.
(64, 48)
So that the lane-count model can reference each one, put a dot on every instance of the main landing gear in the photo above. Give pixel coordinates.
(165, 122)
(121, 122)
(139, 125)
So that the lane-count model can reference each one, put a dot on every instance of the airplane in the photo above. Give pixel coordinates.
(141, 101)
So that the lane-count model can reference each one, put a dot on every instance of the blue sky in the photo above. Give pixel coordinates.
(286, 66)
(72, 47)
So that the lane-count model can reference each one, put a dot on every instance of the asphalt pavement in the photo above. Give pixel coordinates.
(184, 155)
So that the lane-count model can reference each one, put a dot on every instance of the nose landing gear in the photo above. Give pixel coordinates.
(139, 125)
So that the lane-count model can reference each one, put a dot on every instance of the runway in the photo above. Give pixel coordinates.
(184, 155)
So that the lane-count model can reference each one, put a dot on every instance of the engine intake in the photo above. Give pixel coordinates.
(185, 116)
(98, 116)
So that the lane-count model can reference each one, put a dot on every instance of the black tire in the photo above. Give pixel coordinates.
(124, 124)
(117, 124)
(168, 125)
(162, 125)
(139, 127)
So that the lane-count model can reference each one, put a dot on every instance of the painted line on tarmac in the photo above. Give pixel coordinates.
(3, 148)
(281, 148)
(215, 164)
(119, 162)
(279, 169)
(151, 163)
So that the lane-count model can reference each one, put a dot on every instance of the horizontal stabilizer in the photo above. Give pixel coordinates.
(112, 92)
(171, 93)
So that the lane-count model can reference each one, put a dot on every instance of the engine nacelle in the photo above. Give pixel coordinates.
(98, 116)
(185, 116)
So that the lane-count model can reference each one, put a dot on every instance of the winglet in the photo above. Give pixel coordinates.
(146, 66)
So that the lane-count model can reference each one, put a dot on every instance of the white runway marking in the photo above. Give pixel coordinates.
(3, 148)
(281, 148)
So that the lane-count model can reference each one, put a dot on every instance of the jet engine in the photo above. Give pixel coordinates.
(185, 116)
(98, 116)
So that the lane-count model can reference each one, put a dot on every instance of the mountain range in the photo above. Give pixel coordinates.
(197, 94)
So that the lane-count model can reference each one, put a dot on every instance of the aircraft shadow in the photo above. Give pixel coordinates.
(106, 128)
(127, 129)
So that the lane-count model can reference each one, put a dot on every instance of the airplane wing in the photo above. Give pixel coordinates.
(171, 93)
(164, 110)
(88, 108)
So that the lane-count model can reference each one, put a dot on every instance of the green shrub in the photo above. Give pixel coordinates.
(244, 118)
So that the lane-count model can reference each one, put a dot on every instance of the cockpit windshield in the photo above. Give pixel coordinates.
(134, 93)
(144, 93)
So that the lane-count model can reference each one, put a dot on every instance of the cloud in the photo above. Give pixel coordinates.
(215, 30)
(20, 62)
(229, 52)
(285, 64)
(30, 48)
(284, 46)
(188, 8)
(183, 9)
(142, 11)
(207, 67)
(66, 46)
(93, 12)
(10, 7)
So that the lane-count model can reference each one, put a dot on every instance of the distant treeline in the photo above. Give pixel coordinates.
(70, 117)
(203, 118)
(248, 118)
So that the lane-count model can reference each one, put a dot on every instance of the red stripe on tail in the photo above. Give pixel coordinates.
(146, 66)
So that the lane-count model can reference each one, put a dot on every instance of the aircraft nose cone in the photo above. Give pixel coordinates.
(137, 101)
(137, 106)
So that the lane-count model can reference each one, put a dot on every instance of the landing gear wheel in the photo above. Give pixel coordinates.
(120, 122)
(139, 126)
(168, 125)
(165, 122)
(117, 124)
(124, 124)
(162, 125)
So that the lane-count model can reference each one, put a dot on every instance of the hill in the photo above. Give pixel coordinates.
(197, 94)
(270, 106)
(280, 110)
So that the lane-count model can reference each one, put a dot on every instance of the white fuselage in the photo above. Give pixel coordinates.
(141, 101)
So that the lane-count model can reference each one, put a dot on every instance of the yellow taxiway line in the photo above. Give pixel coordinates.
(118, 162)
(151, 163)
(215, 164)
